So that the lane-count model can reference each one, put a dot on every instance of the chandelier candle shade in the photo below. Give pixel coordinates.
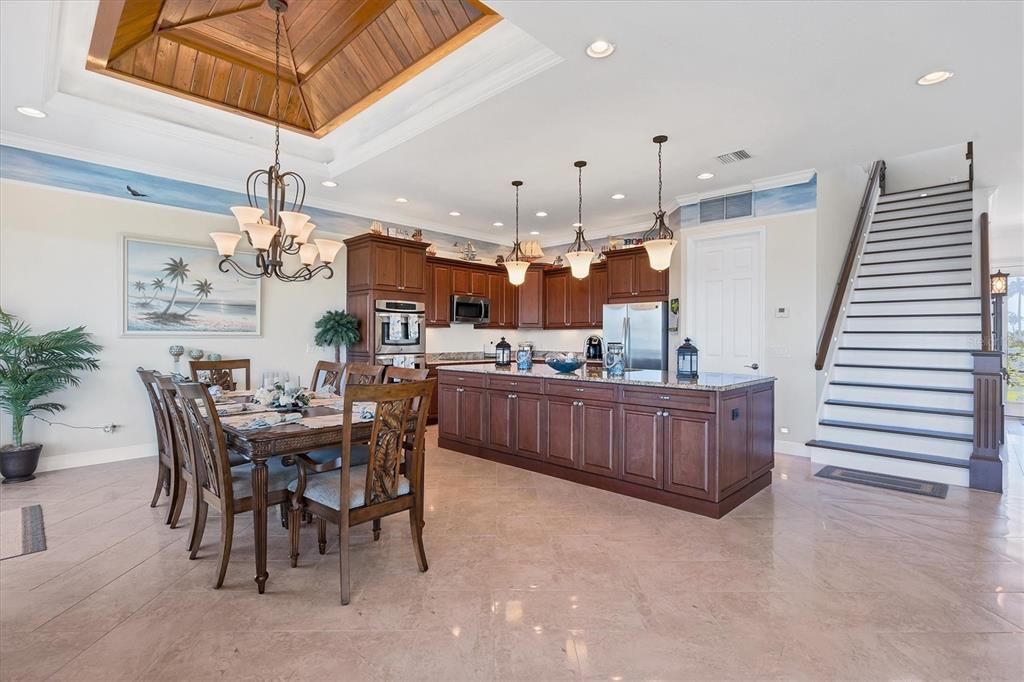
(659, 240)
(279, 232)
(516, 264)
(581, 253)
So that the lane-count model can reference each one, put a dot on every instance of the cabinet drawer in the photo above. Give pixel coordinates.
(700, 401)
(581, 389)
(515, 384)
(462, 378)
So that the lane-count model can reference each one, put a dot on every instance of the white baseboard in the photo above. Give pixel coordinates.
(104, 456)
(792, 447)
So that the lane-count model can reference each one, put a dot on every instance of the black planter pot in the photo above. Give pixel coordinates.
(19, 464)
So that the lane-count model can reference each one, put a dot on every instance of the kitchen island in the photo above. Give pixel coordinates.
(704, 446)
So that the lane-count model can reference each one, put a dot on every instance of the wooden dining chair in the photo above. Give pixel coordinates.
(183, 454)
(327, 373)
(352, 495)
(397, 375)
(221, 372)
(225, 487)
(167, 478)
(360, 374)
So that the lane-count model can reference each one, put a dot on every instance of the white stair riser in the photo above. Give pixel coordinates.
(901, 210)
(946, 323)
(913, 293)
(906, 194)
(888, 254)
(903, 358)
(913, 340)
(911, 377)
(912, 420)
(894, 467)
(919, 307)
(914, 265)
(881, 232)
(893, 396)
(930, 200)
(920, 276)
(884, 222)
(897, 241)
(896, 441)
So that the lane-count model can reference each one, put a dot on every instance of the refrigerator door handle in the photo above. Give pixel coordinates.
(625, 339)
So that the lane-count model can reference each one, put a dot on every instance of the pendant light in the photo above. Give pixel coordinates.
(581, 253)
(659, 240)
(515, 264)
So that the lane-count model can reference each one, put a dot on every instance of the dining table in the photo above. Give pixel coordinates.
(260, 445)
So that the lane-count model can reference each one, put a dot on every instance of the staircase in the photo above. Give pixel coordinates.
(899, 396)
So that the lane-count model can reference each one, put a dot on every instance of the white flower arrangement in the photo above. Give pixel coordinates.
(278, 396)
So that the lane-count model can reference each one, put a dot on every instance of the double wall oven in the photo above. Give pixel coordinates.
(400, 333)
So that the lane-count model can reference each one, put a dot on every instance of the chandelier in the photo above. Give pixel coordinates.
(280, 231)
(581, 253)
(659, 240)
(516, 263)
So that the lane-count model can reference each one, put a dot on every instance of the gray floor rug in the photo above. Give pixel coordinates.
(22, 531)
(903, 485)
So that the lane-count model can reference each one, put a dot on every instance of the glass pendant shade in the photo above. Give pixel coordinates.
(660, 252)
(328, 249)
(579, 262)
(292, 222)
(261, 234)
(308, 254)
(245, 215)
(303, 236)
(226, 242)
(516, 271)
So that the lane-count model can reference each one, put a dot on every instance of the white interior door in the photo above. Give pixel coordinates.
(725, 300)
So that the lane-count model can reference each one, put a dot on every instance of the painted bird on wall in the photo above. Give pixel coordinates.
(134, 192)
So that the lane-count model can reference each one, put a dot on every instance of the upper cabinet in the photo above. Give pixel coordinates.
(575, 303)
(631, 278)
(531, 299)
(386, 263)
(446, 276)
(439, 293)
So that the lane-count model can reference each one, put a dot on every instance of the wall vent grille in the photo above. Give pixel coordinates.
(733, 157)
(727, 207)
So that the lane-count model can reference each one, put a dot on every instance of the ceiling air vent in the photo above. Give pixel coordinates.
(733, 157)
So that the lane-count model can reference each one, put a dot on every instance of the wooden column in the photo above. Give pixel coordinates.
(986, 468)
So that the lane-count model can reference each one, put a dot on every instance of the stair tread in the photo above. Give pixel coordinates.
(913, 272)
(937, 203)
(911, 331)
(917, 260)
(893, 454)
(922, 315)
(899, 430)
(917, 236)
(925, 189)
(914, 286)
(922, 300)
(901, 408)
(915, 248)
(910, 350)
(915, 227)
(916, 369)
(883, 202)
(923, 215)
(905, 387)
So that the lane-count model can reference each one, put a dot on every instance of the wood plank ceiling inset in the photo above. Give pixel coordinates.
(337, 56)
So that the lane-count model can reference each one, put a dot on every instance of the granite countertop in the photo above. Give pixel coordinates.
(476, 356)
(707, 381)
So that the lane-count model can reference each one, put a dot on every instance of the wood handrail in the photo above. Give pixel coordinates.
(985, 286)
(873, 186)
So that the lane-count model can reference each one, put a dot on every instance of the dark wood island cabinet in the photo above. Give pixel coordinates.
(704, 447)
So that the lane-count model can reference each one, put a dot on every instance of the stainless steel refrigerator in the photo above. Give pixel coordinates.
(642, 329)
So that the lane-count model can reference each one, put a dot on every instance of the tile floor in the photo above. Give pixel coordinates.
(530, 578)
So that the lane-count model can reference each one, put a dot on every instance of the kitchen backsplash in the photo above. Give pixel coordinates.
(464, 338)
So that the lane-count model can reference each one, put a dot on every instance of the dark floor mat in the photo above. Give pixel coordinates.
(903, 485)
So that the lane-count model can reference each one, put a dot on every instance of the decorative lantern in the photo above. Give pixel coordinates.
(686, 360)
(503, 353)
(999, 283)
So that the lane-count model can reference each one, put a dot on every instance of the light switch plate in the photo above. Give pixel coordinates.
(782, 311)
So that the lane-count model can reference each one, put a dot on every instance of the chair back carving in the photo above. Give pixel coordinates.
(328, 373)
(400, 375)
(176, 420)
(360, 374)
(160, 417)
(209, 450)
(221, 372)
(388, 443)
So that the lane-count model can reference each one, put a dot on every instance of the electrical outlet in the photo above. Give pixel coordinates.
(783, 429)
(782, 311)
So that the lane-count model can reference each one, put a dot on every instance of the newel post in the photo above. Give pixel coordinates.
(986, 466)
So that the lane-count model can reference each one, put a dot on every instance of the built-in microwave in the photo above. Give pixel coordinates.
(471, 309)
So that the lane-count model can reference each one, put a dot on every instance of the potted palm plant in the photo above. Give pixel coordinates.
(336, 328)
(31, 367)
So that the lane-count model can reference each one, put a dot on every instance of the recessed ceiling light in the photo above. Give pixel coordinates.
(705, 176)
(618, 196)
(329, 183)
(541, 214)
(534, 232)
(934, 77)
(454, 213)
(599, 49)
(498, 224)
(401, 200)
(31, 113)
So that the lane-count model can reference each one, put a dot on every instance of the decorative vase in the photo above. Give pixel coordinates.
(196, 353)
(176, 352)
(18, 464)
(215, 357)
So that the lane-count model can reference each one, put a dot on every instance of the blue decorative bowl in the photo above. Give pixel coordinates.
(564, 365)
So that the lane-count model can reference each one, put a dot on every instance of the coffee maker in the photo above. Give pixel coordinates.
(593, 349)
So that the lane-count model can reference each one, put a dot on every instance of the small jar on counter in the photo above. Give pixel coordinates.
(524, 357)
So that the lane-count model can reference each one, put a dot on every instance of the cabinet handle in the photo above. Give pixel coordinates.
(513, 383)
(460, 390)
(580, 390)
(460, 378)
(665, 397)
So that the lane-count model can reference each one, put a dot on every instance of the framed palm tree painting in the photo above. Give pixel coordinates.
(176, 289)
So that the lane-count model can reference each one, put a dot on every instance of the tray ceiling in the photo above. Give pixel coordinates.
(338, 56)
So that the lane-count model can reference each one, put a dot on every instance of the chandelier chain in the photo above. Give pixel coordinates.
(277, 89)
(579, 207)
(659, 177)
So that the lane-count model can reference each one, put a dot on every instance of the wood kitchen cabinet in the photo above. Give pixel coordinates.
(468, 281)
(598, 293)
(438, 308)
(515, 423)
(503, 302)
(556, 299)
(562, 431)
(531, 299)
(632, 279)
(386, 264)
(461, 413)
(582, 434)
(575, 303)
(670, 449)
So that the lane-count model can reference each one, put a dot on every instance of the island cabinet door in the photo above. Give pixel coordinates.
(734, 443)
(762, 429)
(473, 415)
(599, 451)
(643, 445)
(449, 399)
(689, 450)
(529, 425)
(562, 432)
(501, 419)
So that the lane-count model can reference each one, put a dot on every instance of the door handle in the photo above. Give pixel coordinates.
(753, 366)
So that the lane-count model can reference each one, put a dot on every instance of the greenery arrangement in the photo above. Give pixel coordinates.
(336, 328)
(33, 366)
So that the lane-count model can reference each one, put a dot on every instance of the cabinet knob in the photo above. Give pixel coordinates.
(665, 397)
